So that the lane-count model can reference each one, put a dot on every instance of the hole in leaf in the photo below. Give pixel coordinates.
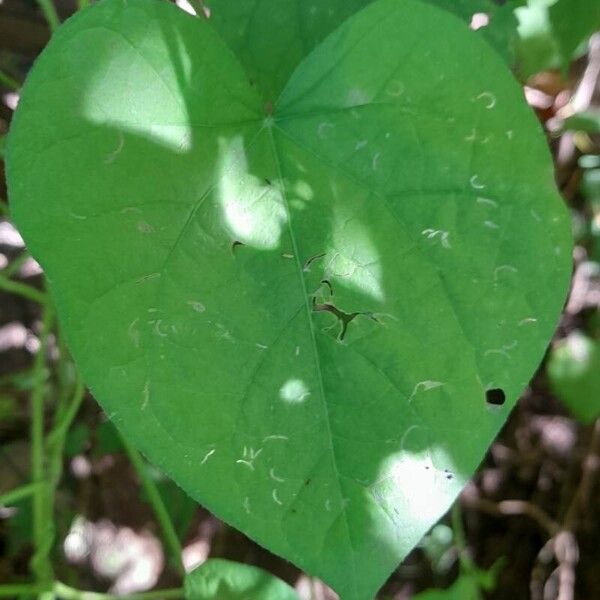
(495, 397)
(235, 244)
(312, 259)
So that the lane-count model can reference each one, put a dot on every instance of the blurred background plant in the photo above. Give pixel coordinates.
(79, 505)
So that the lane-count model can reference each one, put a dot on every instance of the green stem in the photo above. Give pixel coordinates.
(65, 592)
(460, 542)
(15, 265)
(19, 494)
(50, 14)
(4, 212)
(22, 289)
(55, 442)
(17, 589)
(8, 81)
(162, 516)
(40, 564)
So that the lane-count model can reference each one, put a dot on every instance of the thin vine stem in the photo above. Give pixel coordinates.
(19, 589)
(20, 493)
(9, 82)
(170, 538)
(50, 14)
(62, 591)
(40, 564)
(22, 289)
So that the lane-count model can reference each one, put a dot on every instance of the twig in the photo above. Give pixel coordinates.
(162, 516)
(508, 508)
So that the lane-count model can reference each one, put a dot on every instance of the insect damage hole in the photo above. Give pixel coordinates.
(495, 397)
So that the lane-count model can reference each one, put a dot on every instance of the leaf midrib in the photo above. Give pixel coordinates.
(317, 361)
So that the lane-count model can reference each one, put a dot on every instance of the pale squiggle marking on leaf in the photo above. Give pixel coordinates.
(475, 183)
(489, 98)
(510, 134)
(424, 386)
(535, 215)
(248, 457)
(491, 225)
(133, 332)
(208, 455)
(376, 161)
(504, 351)
(130, 209)
(501, 268)
(283, 438)
(328, 505)
(78, 217)
(247, 505)
(472, 136)
(443, 235)
(276, 498)
(241, 461)
(294, 391)
(297, 350)
(261, 346)
(357, 97)
(113, 155)
(527, 321)
(145, 228)
(395, 88)
(146, 395)
(407, 433)
(197, 306)
(275, 477)
(361, 144)
(323, 128)
(487, 202)
(157, 328)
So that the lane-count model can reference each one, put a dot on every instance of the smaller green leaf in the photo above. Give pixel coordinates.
(574, 372)
(464, 588)
(588, 121)
(573, 22)
(219, 579)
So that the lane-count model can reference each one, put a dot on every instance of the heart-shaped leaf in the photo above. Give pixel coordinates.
(219, 579)
(315, 316)
(271, 37)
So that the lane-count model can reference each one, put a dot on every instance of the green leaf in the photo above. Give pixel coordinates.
(553, 32)
(588, 121)
(219, 579)
(574, 372)
(298, 315)
(464, 588)
(271, 37)
(574, 21)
